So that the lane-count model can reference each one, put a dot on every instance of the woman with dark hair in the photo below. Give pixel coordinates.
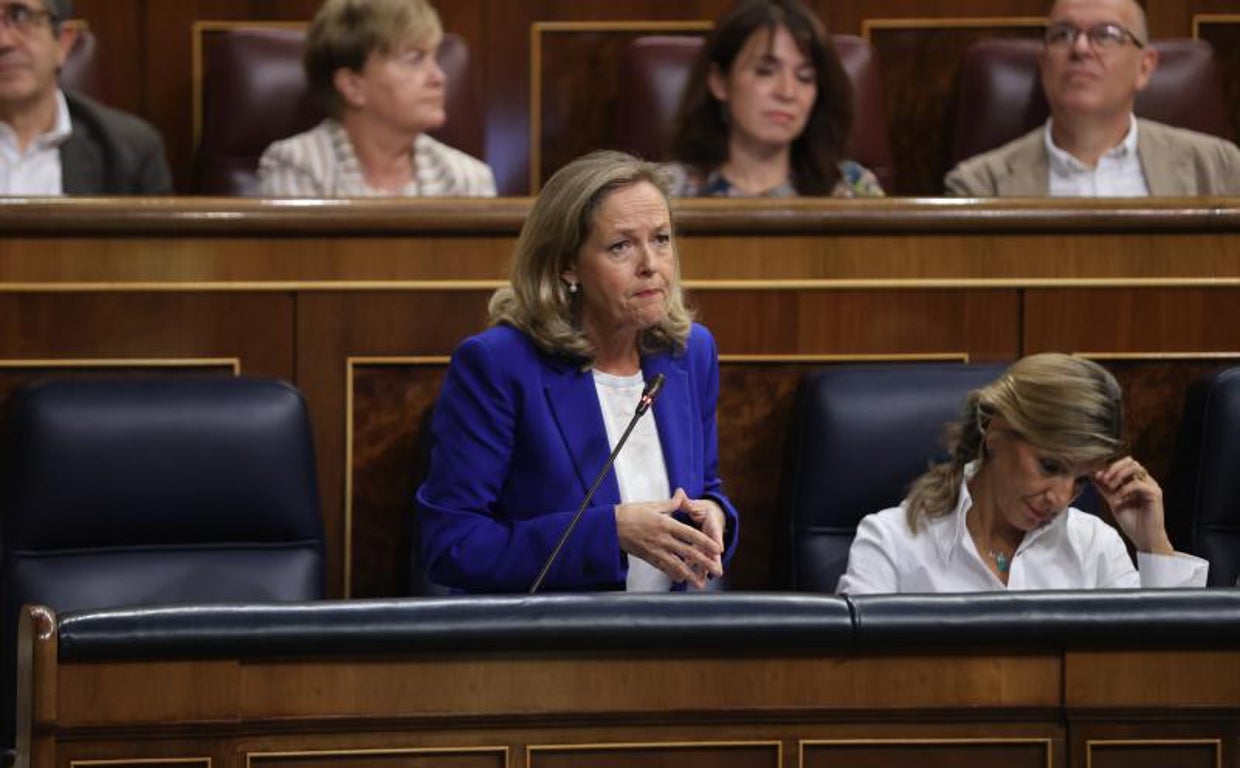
(531, 407)
(999, 514)
(767, 111)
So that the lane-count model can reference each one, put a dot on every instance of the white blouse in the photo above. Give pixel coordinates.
(1075, 550)
(321, 163)
(641, 472)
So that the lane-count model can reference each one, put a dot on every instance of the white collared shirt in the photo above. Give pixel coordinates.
(1118, 173)
(641, 472)
(1075, 550)
(35, 170)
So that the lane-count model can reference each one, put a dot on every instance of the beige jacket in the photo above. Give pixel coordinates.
(1177, 163)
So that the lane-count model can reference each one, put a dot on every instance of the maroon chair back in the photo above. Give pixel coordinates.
(999, 93)
(254, 92)
(81, 73)
(655, 69)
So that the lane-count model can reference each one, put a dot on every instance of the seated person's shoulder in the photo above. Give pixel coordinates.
(123, 126)
(501, 348)
(297, 166)
(978, 176)
(464, 174)
(857, 181)
(1216, 161)
(683, 180)
(1205, 143)
(890, 525)
(134, 147)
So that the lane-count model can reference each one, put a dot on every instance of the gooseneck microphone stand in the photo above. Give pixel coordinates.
(647, 399)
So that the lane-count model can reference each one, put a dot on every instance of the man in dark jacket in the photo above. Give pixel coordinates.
(54, 142)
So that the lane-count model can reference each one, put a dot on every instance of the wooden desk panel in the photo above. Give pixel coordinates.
(360, 303)
(652, 704)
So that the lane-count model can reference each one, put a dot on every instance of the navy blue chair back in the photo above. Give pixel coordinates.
(864, 434)
(128, 492)
(1203, 502)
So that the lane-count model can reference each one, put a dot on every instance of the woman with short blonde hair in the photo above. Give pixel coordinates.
(998, 514)
(372, 65)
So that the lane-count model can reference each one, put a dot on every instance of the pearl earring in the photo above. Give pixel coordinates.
(573, 288)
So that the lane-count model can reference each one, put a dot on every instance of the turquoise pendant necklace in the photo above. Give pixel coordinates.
(1002, 561)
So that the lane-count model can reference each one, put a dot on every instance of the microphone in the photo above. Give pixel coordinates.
(649, 393)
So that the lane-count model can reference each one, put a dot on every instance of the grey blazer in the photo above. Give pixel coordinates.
(1176, 162)
(111, 153)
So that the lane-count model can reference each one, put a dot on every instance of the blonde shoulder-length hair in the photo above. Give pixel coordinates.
(1064, 406)
(537, 300)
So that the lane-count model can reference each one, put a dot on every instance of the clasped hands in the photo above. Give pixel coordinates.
(692, 553)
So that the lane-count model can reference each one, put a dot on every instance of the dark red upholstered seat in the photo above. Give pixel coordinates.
(999, 93)
(80, 72)
(654, 71)
(254, 92)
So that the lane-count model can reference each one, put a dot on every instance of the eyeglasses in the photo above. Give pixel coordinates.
(1100, 36)
(23, 18)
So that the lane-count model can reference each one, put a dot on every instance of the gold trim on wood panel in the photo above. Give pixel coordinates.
(143, 761)
(1206, 19)
(1046, 742)
(1129, 356)
(848, 284)
(963, 22)
(122, 362)
(950, 283)
(1090, 743)
(351, 362)
(959, 357)
(252, 757)
(276, 286)
(536, 32)
(530, 749)
(197, 65)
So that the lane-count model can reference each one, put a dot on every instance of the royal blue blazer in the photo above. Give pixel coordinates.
(517, 439)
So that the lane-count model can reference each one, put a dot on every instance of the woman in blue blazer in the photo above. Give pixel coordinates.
(532, 407)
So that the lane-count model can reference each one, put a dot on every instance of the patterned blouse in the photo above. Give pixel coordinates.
(321, 163)
(855, 181)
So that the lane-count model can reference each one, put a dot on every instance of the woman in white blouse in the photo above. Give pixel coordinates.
(998, 515)
(372, 65)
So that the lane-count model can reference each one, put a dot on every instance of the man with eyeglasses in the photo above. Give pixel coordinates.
(56, 142)
(1095, 59)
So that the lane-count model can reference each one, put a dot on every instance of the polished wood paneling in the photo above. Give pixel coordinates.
(944, 753)
(1131, 320)
(1222, 30)
(119, 28)
(147, 45)
(681, 755)
(595, 688)
(256, 329)
(334, 327)
(577, 89)
(1154, 754)
(390, 407)
(381, 758)
(1209, 739)
(1099, 680)
(360, 303)
(921, 64)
